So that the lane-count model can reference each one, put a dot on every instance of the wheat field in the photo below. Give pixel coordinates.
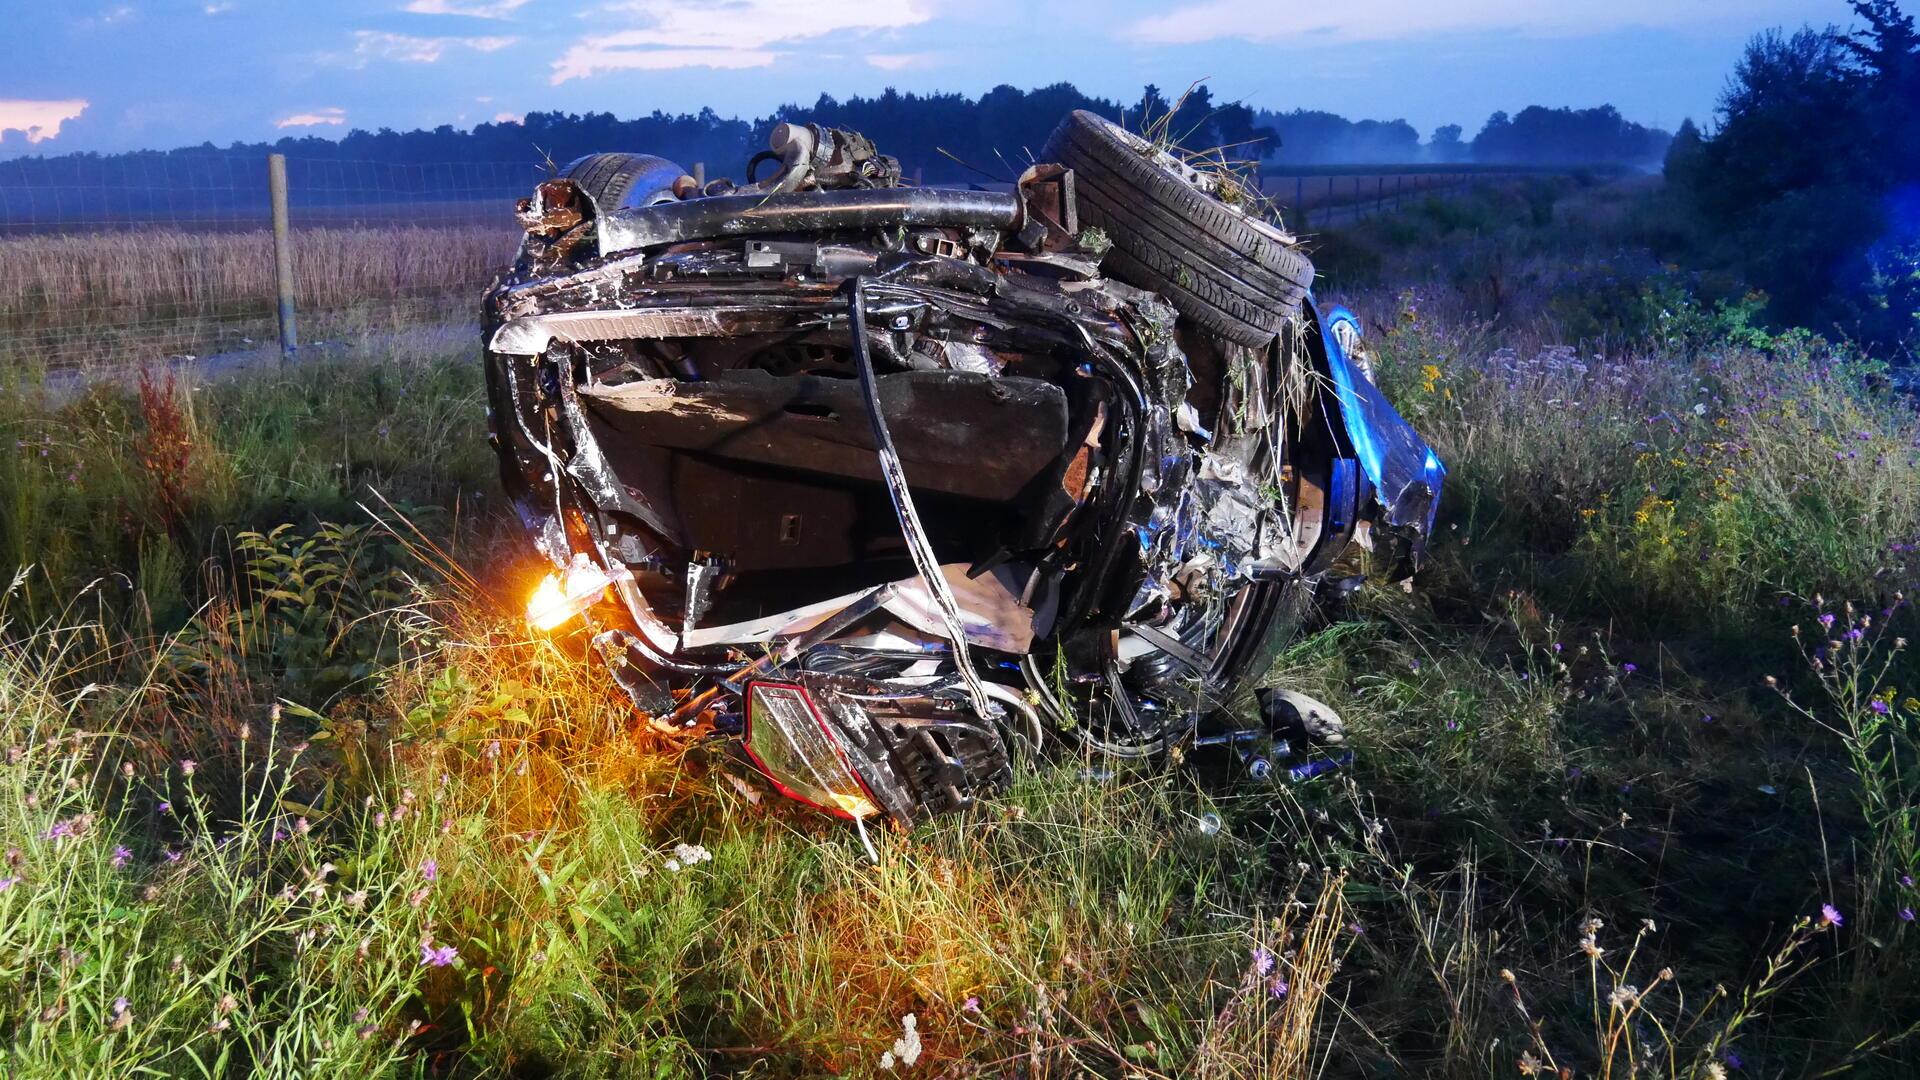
(129, 296)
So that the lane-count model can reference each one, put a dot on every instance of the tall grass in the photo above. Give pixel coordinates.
(1705, 481)
(1553, 746)
(74, 298)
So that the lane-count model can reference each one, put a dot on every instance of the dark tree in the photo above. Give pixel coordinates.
(1807, 186)
(1445, 144)
(1541, 136)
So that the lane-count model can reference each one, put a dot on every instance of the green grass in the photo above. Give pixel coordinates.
(1567, 719)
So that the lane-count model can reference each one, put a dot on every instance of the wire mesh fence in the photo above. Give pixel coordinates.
(135, 258)
(127, 260)
(1325, 199)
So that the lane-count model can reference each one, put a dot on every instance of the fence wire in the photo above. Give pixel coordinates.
(1323, 200)
(129, 260)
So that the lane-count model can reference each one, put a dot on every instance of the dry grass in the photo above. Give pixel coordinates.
(65, 299)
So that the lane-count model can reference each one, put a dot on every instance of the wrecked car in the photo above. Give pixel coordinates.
(894, 483)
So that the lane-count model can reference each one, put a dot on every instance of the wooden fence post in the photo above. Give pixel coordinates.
(282, 254)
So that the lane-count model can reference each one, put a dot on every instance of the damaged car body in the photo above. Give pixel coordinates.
(891, 483)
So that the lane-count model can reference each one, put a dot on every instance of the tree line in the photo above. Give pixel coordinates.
(947, 137)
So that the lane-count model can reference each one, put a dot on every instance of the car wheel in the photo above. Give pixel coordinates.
(1230, 272)
(616, 180)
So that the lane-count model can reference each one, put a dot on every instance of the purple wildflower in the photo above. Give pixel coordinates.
(1906, 880)
(187, 766)
(1878, 706)
(1830, 916)
(1827, 619)
(1278, 988)
(9, 882)
(1906, 914)
(1733, 1060)
(172, 855)
(121, 856)
(165, 807)
(1856, 634)
(430, 869)
(1262, 961)
(432, 955)
(1629, 667)
(971, 1005)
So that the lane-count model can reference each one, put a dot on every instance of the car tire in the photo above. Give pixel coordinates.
(1227, 271)
(614, 180)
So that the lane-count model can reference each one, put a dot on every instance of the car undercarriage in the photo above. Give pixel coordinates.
(894, 484)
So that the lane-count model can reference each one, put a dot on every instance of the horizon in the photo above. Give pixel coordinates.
(135, 76)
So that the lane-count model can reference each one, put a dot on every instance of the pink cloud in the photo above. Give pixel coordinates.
(38, 120)
(316, 118)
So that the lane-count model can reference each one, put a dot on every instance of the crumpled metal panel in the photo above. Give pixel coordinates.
(1405, 472)
(535, 334)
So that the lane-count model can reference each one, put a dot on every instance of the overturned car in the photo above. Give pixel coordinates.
(889, 481)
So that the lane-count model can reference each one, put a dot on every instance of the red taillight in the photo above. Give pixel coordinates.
(788, 738)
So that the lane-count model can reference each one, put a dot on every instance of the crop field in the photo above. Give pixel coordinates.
(120, 297)
(290, 788)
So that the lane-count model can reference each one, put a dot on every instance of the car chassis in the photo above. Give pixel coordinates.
(888, 481)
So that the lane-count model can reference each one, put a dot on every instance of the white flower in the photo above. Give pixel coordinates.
(689, 855)
(906, 1048)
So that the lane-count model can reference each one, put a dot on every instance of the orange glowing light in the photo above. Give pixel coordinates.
(556, 601)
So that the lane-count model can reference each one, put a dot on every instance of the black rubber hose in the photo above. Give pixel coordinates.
(805, 212)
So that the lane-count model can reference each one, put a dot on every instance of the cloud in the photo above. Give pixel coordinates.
(727, 34)
(1382, 20)
(407, 49)
(318, 117)
(591, 57)
(472, 9)
(38, 120)
(899, 61)
(218, 7)
(509, 118)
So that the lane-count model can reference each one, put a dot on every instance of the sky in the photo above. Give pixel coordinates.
(109, 75)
